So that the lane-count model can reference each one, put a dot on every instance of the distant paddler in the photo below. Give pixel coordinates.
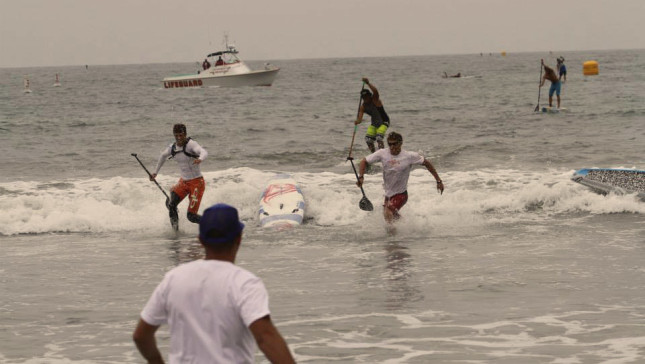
(188, 154)
(458, 75)
(373, 107)
(562, 70)
(397, 164)
(556, 85)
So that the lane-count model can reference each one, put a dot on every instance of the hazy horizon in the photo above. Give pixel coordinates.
(77, 32)
(241, 56)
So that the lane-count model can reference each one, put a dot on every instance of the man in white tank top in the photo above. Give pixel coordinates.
(188, 154)
(217, 311)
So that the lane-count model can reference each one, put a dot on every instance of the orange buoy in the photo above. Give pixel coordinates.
(590, 68)
(503, 53)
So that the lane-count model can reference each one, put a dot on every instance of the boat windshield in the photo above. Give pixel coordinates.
(229, 56)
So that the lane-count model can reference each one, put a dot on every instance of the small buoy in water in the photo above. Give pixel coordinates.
(590, 68)
(503, 53)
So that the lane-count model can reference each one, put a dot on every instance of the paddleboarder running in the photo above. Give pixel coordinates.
(373, 107)
(397, 164)
(189, 155)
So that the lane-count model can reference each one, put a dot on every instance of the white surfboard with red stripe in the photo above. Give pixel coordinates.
(282, 204)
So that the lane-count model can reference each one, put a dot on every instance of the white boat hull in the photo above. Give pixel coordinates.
(253, 78)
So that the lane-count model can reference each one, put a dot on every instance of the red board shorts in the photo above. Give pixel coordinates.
(396, 202)
(195, 188)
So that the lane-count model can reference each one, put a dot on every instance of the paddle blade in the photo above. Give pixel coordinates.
(537, 108)
(365, 204)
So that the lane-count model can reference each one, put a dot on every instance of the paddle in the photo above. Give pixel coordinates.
(537, 108)
(149, 175)
(364, 203)
(351, 146)
(562, 92)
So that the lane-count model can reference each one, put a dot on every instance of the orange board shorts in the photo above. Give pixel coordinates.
(396, 202)
(195, 188)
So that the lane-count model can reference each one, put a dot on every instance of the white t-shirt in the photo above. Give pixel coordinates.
(209, 305)
(188, 170)
(396, 168)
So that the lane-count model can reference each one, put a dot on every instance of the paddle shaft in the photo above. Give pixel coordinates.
(365, 203)
(358, 179)
(351, 146)
(537, 108)
(150, 175)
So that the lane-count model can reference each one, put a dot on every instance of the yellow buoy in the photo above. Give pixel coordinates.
(503, 53)
(590, 68)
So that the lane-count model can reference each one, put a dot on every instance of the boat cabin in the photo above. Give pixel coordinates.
(222, 58)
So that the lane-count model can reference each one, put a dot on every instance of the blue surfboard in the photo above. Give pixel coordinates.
(612, 180)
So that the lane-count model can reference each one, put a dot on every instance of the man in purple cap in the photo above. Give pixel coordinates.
(216, 311)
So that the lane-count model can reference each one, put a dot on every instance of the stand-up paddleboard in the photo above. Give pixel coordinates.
(610, 180)
(282, 203)
(553, 110)
(550, 110)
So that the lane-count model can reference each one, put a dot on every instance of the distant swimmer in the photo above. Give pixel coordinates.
(549, 74)
(188, 154)
(562, 70)
(397, 164)
(373, 107)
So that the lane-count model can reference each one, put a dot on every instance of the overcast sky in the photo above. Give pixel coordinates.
(79, 32)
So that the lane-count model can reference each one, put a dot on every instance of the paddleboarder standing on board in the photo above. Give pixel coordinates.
(549, 74)
(562, 69)
(373, 107)
(188, 154)
(397, 164)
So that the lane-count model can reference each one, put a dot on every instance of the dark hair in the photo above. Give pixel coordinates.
(179, 128)
(394, 136)
(365, 93)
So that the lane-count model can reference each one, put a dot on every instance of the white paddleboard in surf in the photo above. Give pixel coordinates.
(282, 204)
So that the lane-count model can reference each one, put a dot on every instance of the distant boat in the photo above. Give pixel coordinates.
(224, 69)
(26, 83)
(57, 83)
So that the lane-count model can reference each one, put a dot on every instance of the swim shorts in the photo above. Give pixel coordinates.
(396, 202)
(195, 188)
(555, 87)
(372, 131)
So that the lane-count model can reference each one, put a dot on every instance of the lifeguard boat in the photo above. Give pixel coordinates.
(224, 69)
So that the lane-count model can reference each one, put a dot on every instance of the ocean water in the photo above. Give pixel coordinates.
(514, 263)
